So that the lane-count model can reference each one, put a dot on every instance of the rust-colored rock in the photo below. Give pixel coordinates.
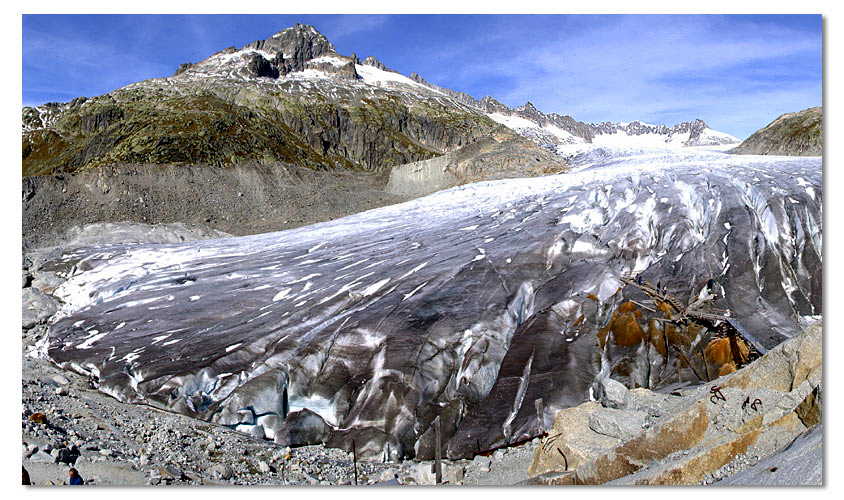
(693, 469)
(809, 411)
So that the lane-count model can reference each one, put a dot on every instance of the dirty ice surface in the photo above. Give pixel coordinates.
(459, 304)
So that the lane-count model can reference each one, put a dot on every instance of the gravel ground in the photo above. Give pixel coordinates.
(800, 463)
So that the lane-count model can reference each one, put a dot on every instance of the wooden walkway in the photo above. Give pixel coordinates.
(682, 311)
(710, 315)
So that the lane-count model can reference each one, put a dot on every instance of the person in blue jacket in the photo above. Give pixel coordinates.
(75, 478)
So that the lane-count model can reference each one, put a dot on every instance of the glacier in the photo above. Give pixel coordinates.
(467, 304)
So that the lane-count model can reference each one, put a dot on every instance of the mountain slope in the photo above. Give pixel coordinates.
(792, 134)
(290, 98)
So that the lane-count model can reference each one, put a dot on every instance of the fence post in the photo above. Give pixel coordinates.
(355, 460)
(438, 451)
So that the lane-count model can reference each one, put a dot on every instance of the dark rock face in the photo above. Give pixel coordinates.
(468, 304)
(182, 68)
(792, 134)
(301, 428)
(259, 66)
(101, 120)
(298, 44)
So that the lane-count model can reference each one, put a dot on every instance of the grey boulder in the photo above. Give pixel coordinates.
(37, 307)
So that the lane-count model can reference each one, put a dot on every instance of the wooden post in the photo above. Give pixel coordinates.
(355, 460)
(540, 415)
(438, 467)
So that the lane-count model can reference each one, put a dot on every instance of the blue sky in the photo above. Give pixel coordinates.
(735, 72)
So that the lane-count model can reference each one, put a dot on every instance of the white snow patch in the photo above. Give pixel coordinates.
(374, 287)
(420, 266)
(87, 344)
(408, 295)
(160, 338)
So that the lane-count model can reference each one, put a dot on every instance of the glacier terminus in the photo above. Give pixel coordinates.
(467, 304)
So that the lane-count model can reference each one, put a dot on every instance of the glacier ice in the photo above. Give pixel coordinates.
(468, 304)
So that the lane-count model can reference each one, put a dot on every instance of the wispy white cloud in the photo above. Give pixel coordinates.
(83, 61)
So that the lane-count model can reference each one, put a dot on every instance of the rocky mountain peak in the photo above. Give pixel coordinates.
(292, 47)
(529, 111)
(299, 37)
(372, 61)
(491, 105)
(418, 79)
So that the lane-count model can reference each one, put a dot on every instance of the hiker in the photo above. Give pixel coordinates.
(75, 478)
(658, 286)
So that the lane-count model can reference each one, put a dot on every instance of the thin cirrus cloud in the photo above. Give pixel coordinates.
(66, 64)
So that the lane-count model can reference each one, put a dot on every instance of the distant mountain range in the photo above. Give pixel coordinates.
(292, 98)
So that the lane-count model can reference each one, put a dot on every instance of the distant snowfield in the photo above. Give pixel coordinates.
(374, 319)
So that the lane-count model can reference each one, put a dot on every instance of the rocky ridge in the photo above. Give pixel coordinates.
(791, 134)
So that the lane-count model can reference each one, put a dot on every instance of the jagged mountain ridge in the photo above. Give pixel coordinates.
(289, 98)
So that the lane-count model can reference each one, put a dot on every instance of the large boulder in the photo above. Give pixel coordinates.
(37, 307)
(302, 427)
(759, 409)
